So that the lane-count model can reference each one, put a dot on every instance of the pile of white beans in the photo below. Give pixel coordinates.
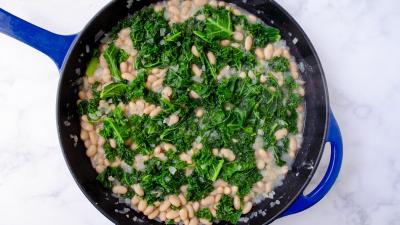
(178, 11)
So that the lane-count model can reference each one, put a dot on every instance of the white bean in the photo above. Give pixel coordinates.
(84, 135)
(128, 76)
(172, 119)
(183, 213)
(235, 189)
(300, 90)
(211, 58)
(248, 43)
(148, 109)
(194, 221)
(123, 67)
(156, 85)
(213, 211)
(91, 151)
(165, 205)
(93, 137)
(235, 45)
(177, 219)
(225, 42)
(82, 94)
(199, 112)
(262, 154)
(155, 112)
(221, 3)
(268, 187)
(247, 207)
(252, 18)
(238, 36)
(113, 143)
(190, 210)
(263, 79)
(119, 189)
(196, 206)
(135, 200)
(148, 210)
(173, 10)
(294, 71)
(292, 144)
(260, 164)
(195, 52)
(268, 51)
(172, 214)
(138, 189)
(87, 126)
(236, 202)
(174, 200)
(100, 168)
(277, 52)
(217, 198)
(286, 54)
(182, 199)
(154, 214)
(259, 53)
(205, 221)
(227, 190)
(281, 133)
(200, 2)
(142, 205)
(242, 74)
(207, 201)
(168, 146)
(194, 95)
(163, 216)
(196, 70)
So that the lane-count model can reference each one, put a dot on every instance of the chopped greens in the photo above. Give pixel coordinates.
(205, 214)
(279, 64)
(243, 100)
(218, 24)
(114, 56)
(92, 66)
(226, 211)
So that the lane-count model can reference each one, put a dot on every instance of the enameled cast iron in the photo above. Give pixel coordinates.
(71, 54)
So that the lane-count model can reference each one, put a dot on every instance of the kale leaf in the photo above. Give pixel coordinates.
(226, 210)
(279, 64)
(114, 56)
(205, 214)
(113, 90)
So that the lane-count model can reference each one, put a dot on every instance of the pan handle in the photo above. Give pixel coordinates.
(304, 202)
(53, 45)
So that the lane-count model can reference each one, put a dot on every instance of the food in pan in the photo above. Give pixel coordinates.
(192, 110)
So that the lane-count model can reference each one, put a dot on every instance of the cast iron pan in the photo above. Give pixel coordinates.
(71, 54)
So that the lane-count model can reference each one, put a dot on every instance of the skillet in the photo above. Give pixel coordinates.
(71, 54)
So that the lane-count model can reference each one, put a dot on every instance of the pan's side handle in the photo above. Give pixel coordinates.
(304, 202)
(53, 45)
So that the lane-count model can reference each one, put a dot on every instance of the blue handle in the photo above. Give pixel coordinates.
(53, 45)
(304, 202)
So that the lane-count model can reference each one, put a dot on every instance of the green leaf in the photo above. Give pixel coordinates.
(204, 213)
(92, 66)
(226, 210)
(113, 90)
(114, 56)
(218, 24)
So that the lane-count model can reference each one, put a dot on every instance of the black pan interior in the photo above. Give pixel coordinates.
(315, 122)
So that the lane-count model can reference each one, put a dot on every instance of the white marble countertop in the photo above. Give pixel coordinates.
(358, 44)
